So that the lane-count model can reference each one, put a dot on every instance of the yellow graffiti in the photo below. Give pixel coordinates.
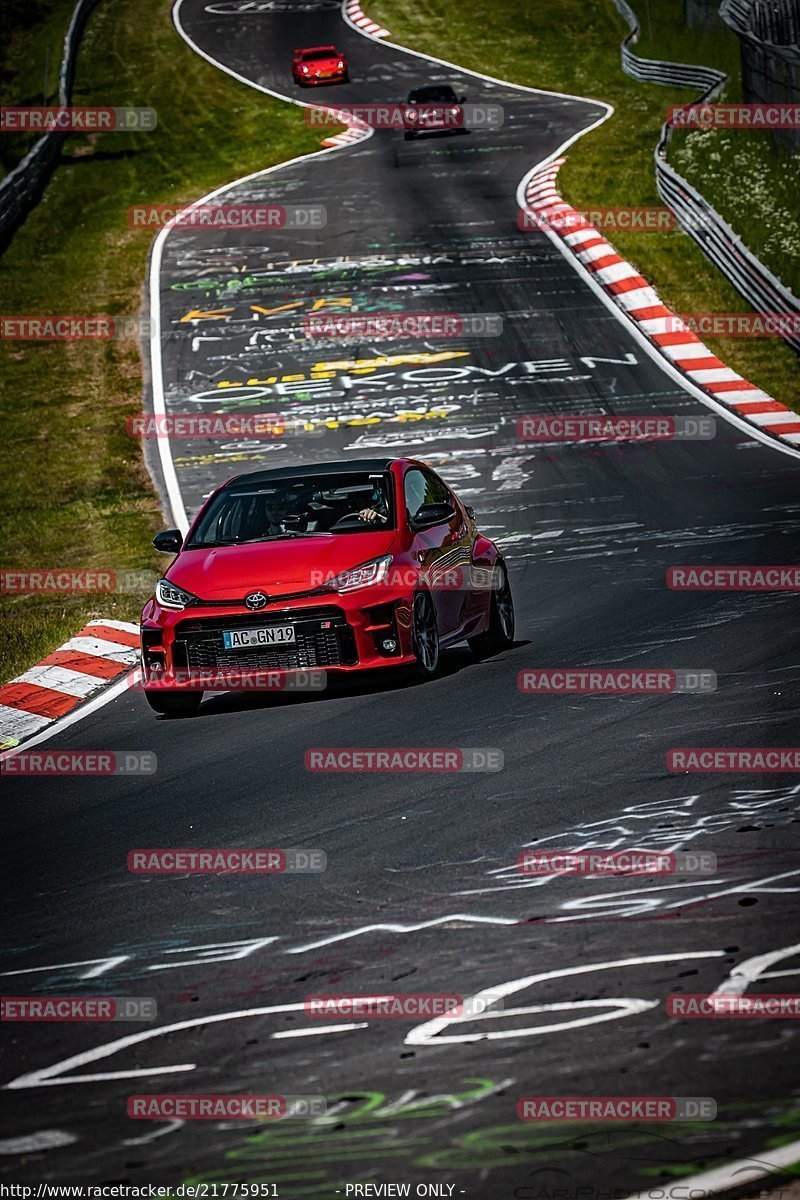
(213, 314)
(281, 308)
(357, 366)
(221, 314)
(389, 360)
(344, 301)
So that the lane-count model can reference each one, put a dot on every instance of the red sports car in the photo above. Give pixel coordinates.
(319, 64)
(342, 566)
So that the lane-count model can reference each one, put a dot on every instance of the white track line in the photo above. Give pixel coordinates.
(733, 1175)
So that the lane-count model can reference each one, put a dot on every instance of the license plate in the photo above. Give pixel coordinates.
(272, 635)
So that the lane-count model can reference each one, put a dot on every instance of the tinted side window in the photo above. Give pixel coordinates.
(421, 487)
(414, 487)
(435, 490)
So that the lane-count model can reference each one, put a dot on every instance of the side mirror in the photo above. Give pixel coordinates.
(169, 541)
(432, 514)
(470, 511)
(462, 100)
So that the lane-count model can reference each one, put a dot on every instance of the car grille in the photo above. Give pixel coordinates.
(323, 639)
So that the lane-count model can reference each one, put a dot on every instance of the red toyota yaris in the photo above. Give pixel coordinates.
(343, 566)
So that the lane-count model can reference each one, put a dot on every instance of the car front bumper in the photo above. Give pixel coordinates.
(367, 629)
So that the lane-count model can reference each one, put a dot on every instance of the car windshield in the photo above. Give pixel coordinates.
(441, 93)
(306, 506)
(325, 52)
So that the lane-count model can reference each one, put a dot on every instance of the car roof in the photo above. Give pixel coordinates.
(431, 87)
(325, 468)
(317, 49)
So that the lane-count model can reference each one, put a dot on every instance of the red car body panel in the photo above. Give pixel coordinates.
(312, 66)
(345, 629)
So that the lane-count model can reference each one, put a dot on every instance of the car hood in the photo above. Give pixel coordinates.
(277, 568)
(324, 64)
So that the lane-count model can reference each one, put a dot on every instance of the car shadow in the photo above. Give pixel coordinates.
(364, 683)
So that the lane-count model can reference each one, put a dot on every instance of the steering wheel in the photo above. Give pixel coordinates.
(353, 516)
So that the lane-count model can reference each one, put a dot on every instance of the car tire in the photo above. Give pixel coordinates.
(346, 77)
(424, 637)
(500, 634)
(173, 704)
(409, 134)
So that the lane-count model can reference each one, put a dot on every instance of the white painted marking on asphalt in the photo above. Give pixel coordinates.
(103, 965)
(45, 1139)
(752, 969)
(170, 1127)
(734, 1175)
(467, 918)
(428, 1033)
(294, 1033)
(54, 1076)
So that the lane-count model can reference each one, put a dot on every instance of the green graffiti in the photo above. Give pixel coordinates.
(304, 1158)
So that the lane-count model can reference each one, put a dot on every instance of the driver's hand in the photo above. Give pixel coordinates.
(369, 514)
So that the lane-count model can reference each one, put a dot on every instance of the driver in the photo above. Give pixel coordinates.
(377, 511)
(276, 511)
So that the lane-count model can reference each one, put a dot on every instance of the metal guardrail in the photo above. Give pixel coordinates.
(768, 33)
(22, 188)
(726, 250)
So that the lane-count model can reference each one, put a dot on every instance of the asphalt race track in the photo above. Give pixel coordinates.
(422, 892)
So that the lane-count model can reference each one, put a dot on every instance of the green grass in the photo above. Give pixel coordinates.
(755, 186)
(30, 60)
(74, 492)
(573, 46)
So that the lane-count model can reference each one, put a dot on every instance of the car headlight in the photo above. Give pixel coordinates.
(304, 69)
(169, 595)
(341, 66)
(364, 575)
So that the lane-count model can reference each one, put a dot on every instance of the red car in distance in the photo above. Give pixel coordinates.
(340, 566)
(319, 64)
